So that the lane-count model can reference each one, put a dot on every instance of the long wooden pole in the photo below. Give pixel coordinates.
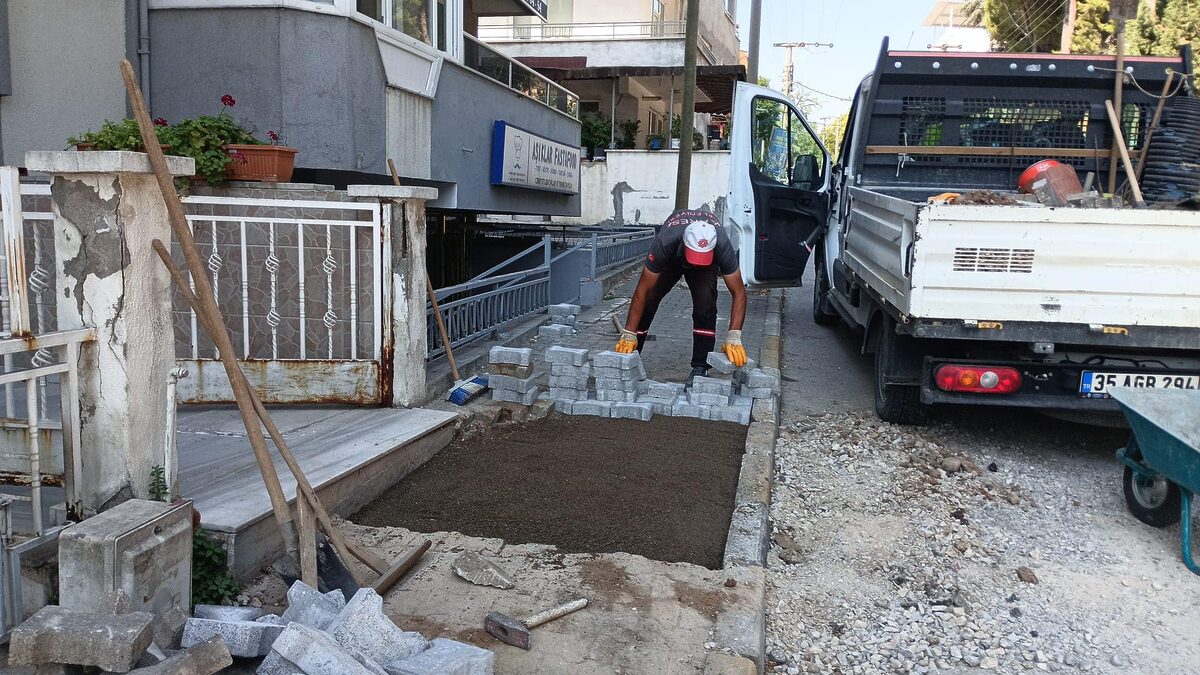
(1118, 92)
(1124, 152)
(204, 295)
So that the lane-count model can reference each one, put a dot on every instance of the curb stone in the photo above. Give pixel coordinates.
(742, 628)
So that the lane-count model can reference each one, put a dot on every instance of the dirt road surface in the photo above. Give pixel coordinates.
(989, 540)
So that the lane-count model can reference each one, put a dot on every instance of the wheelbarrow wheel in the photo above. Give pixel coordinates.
(1154, 501)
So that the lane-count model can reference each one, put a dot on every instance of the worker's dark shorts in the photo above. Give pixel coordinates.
(702, 282)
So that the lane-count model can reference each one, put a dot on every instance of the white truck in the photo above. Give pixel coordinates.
(1006, 305)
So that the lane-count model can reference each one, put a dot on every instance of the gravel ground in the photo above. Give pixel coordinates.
(954, 547)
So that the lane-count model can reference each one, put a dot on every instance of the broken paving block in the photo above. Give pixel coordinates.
(447, 657)
(315, 652)
(310, 607)
(632, 411)
(510, 370)
(566, 356)
(226, 613)
(515, 397)
(563, 309)
(563, 321)
(205, 658)
(53, 634)
(243, 638)
(363, 627)
(712, 385)
(516, 356)
(475, 569)
(596, 408)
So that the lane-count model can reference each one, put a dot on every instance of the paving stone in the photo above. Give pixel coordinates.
(226, 613)
(721, 363)
(632, 411)
(728, 413)
(555, 331)
(526, 398)
(569, 381)
(712, 385)
(205, 658)
(707, 398)
(667, 390)
(565, 406)
(310, 607)
(592, 407)
(53, 634)
(510, 370)
(685, 410)
(618, 374)
(517, 356)
(447, 657)
(563, 321)
(315, 652)
(762, 378)
(362, 627)
(762, 392)
(614, 384)
(519, 385)
(563, 309)
(168, 628)
(568, 394)
(567, 369)
(273, 619)
(243, 638)
(741, 401)
(616, 395)
(611, 359)
(566, 356)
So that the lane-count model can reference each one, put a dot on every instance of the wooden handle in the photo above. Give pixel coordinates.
(1119, 140)
(556, 613)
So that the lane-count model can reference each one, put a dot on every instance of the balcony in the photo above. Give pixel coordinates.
(617, 30)
(516, 76)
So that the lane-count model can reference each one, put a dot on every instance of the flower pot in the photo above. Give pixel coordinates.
(674, 143)
(265, 163)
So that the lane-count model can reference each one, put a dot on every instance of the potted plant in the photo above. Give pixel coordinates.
(224, 149)
(596, 134)
(676, 127)
(629, 132)
(123, 135)
(270, 163)
(655, 142)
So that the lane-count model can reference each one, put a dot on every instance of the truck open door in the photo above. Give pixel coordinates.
(778, 187)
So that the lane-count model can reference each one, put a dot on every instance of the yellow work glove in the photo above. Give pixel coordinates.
(627, 344)
(733, 348)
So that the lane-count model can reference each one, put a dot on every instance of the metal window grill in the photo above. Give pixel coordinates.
(922, 122)
(1033, 123)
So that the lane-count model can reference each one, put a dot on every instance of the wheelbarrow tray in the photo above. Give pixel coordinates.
(1166, 424)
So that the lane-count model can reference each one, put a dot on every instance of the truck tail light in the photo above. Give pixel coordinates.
(977, 379)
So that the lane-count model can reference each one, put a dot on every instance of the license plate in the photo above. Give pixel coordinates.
(1095, 384)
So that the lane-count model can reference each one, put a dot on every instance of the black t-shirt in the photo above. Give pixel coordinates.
(667, 248)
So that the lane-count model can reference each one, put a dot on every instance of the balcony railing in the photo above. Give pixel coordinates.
(618, 30)
(517, 76)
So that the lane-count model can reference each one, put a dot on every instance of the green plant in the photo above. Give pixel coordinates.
(629, 132)
(676, 124)
(596, 131)
(204, 139)
(158, 484)
(655, 142)
(211, 583)
(122, 135)
(697, 140)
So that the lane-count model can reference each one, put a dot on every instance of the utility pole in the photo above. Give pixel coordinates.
(687, 116)
(789, 69)
(755, 32)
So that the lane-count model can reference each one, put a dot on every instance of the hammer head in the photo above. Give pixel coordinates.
(507, 629)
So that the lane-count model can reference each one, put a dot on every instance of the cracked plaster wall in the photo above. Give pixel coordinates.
(637, 187)
(109, 278)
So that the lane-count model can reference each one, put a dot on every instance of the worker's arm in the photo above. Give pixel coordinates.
(734, 351)
(628, 342)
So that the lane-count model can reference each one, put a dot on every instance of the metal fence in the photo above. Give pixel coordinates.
(611, 30)
(618, 249)
(517, 76)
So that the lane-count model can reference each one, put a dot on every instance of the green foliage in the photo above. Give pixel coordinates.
(122, 135)
(1025, 25)
(1157, 31)
(158, 484)
(831, 135)
(211, 583)
(597, 130)
(629, 132)
(204, 139)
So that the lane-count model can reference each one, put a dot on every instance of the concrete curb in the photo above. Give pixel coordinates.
(742, 629)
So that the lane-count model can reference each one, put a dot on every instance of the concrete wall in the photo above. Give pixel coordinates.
(601, 53)
(64, 57)
(719, 30)
(463, 115)
(638, 186)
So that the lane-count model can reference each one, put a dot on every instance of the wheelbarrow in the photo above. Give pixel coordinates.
(1162, 458)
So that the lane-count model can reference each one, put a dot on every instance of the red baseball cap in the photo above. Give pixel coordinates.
(699, 242)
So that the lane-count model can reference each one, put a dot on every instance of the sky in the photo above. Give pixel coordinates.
(855, 27)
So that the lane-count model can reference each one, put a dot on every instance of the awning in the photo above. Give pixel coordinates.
(717, 82)
(510, 8)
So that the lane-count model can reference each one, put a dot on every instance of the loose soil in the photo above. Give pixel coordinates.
(662, 489)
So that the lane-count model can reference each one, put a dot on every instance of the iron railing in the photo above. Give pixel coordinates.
(609, 30)
(517, 76)
(611, 251)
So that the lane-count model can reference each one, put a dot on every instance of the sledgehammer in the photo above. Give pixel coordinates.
(516, 633)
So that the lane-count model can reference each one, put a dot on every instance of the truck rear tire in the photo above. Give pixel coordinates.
(823, 313)
(898, 404)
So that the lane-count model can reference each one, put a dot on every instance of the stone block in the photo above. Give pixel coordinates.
(563, 321)
(243, 638)
(362, 627)
(712, 385)
(168, 628)
(57, 635)
(721, 363)
(526, 398)
(707, 398)
(555, 331)
(563, 309)
(610, 359)
(205, 658)
(728, 413)
(616, 395)
(310, 607)
(761, 378)
(315, 652)
(510, 370)
(685, 410)
(666, 390)
(447, 657)
(632, 411)
(226, 613)
(596, 408)
(565, 406)
(741, 401)
(511, 355)
(759, 392)
(568, 394)
(273, 619)
(616, 384)
(508, 383)
(568, 369)
(569, 381)
(566, 356)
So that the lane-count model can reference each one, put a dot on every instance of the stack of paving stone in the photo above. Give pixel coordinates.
(510, 375)
(662, 396)
(562, 322)
(569, 373)
(751, 381)
(620, 378)
(712, 398)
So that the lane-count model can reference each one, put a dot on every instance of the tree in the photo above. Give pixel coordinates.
(1094, 33)
(831, 134)
(1025, 25)
(1160, 27)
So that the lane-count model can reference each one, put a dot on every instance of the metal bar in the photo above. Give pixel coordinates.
(354, 292)
(300, 282)
(286, 203)
(71, 437)
(56, 339)
(504, 264)
(245, 294)
(14, 250)
(35, 457)
(32, 374)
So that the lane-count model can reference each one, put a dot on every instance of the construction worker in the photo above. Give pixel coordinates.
(692, 245)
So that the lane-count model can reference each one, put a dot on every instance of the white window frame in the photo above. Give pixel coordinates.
(454, 39)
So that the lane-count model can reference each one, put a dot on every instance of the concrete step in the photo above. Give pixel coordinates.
(350, 456)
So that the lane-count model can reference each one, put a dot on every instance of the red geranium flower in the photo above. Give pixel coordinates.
(271, 134)
(160, 122)
(228, 101)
